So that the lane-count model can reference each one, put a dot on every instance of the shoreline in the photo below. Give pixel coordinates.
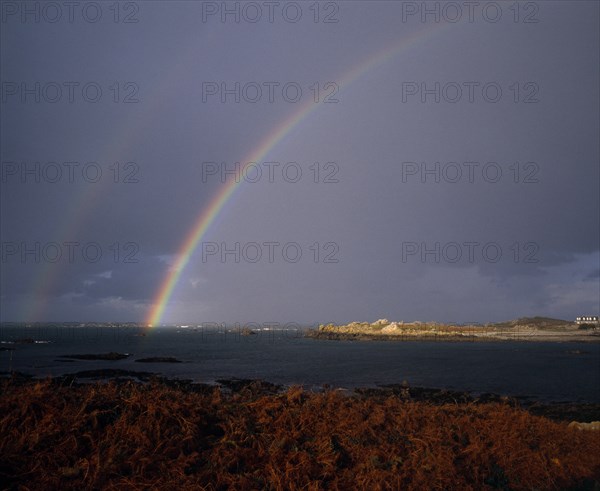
(543, 329)
(548, 337)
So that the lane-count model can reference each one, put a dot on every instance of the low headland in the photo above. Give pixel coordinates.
(523, 329)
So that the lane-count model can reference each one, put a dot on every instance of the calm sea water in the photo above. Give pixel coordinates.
(546, 371)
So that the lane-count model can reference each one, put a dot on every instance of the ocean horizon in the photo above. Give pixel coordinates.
(544, 371)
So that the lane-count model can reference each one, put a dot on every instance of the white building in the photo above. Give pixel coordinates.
(587, 319)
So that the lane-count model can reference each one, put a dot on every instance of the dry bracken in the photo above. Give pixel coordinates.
(134, 436)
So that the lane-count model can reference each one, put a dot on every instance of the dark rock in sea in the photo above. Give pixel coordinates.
(25, 341)
(101, 356)
(159, 359)
(247, 332)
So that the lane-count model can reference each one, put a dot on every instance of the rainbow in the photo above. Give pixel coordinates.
(208, 215)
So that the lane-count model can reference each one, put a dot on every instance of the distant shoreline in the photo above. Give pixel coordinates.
(538, 329)
(545, 337)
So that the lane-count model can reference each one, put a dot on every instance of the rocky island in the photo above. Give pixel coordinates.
(523, 329)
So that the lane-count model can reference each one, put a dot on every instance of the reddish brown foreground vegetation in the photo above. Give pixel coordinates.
(133, 436)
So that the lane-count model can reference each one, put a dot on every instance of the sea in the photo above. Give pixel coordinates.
(544, 371)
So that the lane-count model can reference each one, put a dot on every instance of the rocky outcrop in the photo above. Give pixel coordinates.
(593, 426)
(385, 328)
(392, 328)
(524, 329)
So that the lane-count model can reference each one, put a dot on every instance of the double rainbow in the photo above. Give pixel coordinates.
(209, 214)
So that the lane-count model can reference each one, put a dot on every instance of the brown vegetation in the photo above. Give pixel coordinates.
(133, 436)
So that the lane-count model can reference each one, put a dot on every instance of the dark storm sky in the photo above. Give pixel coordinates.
(413, 233)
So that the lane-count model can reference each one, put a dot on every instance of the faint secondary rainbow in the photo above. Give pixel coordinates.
(211, 211)
(84, 201)
(119, 148)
